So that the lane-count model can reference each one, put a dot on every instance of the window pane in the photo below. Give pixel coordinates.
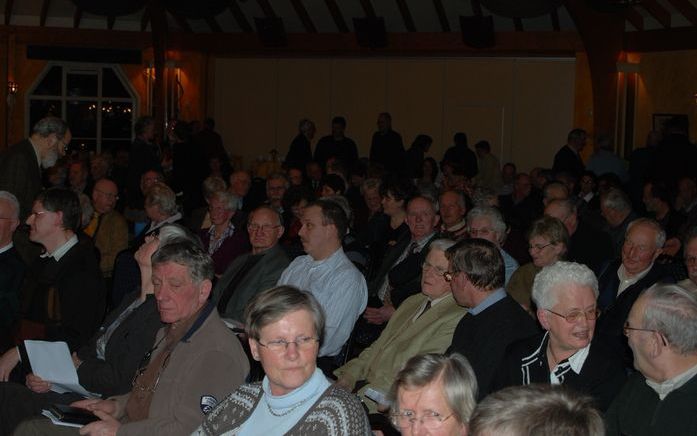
(112, 145)
(82, 145)
(51, 83)
(116, 119)
(82, 118)
(82, 85)
(112, 85)
(39, 109)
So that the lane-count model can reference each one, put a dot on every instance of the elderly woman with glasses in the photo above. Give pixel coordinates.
(434, 394)
(285, 327)
(548, 241)
(565, 294)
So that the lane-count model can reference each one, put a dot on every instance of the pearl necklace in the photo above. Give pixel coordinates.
(292, 408)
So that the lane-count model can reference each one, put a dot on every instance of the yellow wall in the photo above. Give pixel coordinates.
(667, 84)
(524, 107)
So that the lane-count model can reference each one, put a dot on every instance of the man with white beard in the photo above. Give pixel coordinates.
(20, 164)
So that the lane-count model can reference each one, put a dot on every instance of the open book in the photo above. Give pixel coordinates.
(52, 362)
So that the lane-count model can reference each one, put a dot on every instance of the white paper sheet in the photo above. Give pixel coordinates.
(52, 362)
(56, 421)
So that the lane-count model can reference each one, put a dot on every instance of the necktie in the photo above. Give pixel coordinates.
(426, 309)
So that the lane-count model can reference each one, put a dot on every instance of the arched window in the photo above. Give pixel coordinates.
(97, 101)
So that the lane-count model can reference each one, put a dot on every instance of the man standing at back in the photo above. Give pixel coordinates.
(568, 158)
(494, 320)
(336, 145)
(328, 274)
(20, 165)
(386, 147)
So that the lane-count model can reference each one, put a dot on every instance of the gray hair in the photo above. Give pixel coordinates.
(660, 232)
(278, 176)
(616, 199)
(229, 200)
(433, 201)
(343, 203)
(163, 197)
(441, 244)
(14, 203)
(50, 125)
(672, 310)
(371, 183)
(484, 197)
(552, 229)
(186, 253)
(454, 371)
(212, 185)
(269, 306)
(537, 409)
(170, 233)
(481, 260)
(568, 206)
(460, 198)
(552, 280)
(495, 218)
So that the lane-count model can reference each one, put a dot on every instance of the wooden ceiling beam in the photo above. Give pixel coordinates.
(240, 17)
(266, 7)
(442, 16)
(304, 16)
(44, 12)
(476, 8)
(687, 9)
(661, 14)
(634, 18)
(8, 11)
(144, 20)
(337, 16)
(213, 24)
(77, 17)
(554, 15)
(110, 20)
(368, 8)
(406, 15)
(518, 24)
(181, 22)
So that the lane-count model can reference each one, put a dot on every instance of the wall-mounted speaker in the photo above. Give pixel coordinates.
(478, 31)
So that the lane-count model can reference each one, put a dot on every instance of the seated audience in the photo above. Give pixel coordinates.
(194, 362)
(395, 195)
(295, 200)
(253, 272)
(616, 208)
(659, 399)
(453, 209)
(565, 295)
(690, 255)
(332, 184)
(522, 206)
(587, 245)
(434, 394)
(100, 166)
(372, 224)
(276, 186)
(223, 241)
(240, 184)
(658, 202)
(554, 190)
(494, 320)
(536, 410)
(63, 295)
(548, 241)
(106, 364)
(160, 209)
(285, 327)
(424, 323)
(12, 266)
(624, 280)
(328, 274)
(78, 178)
(487, 223)
(107, 228)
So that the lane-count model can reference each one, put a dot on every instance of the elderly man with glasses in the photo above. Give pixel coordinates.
(565, 294)
(494, 319)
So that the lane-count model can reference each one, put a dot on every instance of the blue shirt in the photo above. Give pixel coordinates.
(489, 301)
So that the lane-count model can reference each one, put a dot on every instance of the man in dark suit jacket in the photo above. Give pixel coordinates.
(494, 320)
(386, 147)
(11, 266)
(567, 158)
(253, 272)
(20, 173)
(623, 281)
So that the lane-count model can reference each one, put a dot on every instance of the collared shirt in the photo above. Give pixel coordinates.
(60, 251)
(668, 386)
(177, 216)
(215, 244)
(626, 281)
(339, 288)
(433, 302)
(538, 359)
(455, 227)
(489, 301)
(6, 247)
(509, 263)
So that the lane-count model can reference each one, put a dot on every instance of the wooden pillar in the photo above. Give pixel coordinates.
(602, 35)
(4, 113)
(158, 21)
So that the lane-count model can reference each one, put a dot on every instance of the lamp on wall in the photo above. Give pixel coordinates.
(12, 88)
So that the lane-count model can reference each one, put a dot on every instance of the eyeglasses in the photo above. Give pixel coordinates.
(107, 194)
(280, 345)
(426, 266)
(690, 260)
(406, 418)
(538, 247)
(626, 329)
(39, 213)
(449, 276)
(577, 315)
(264, 228)
(480, 232)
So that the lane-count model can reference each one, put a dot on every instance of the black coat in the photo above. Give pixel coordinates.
(567, 160)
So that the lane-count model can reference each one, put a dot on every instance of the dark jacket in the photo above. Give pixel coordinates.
(11, 276)
(569, 161)
(387, 149)
(20, 174)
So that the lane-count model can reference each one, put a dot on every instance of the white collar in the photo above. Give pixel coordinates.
(59, 252)
(6, 247)
(668, 386)
(626, 281)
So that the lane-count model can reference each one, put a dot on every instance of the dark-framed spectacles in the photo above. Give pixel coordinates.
(406, 418)
(538, 247)
(265, 228)
(577, 315)
(281, 345)
(626, 329)
(449, 276)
